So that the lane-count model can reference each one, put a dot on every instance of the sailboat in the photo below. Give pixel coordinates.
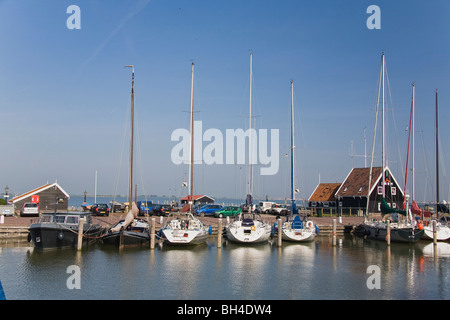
(442, 229)
(400, 230)
(130, 231)
(182, 228)
(248, 226)
(296, 229)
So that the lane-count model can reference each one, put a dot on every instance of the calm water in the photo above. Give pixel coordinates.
(295, 271)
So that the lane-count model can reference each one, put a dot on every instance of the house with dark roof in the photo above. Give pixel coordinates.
(46, 196)
(354, 190)
(324, 195)
(198, 199)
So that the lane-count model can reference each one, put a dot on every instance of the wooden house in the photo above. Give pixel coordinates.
(354, 190)
(198, 199)
(324, 196)
(46, 196)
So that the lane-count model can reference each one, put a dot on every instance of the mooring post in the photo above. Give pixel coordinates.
(279, 232)
(121, 238)
(80, 233)
(152, 234)
(334, 232)
(219, 234)
(388, 235)
(434, 232)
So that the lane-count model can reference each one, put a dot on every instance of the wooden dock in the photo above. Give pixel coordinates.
(12, 232)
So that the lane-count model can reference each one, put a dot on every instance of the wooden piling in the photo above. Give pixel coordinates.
(279, 233)
(152, 234)
(434, 232)
(334, 232)
(388, 235)
(219, 233)
(80, 234)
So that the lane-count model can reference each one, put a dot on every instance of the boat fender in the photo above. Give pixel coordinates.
(309, 224)
(317, 230)
(210, 230)
(253, 228)
(420, 226)
(273, 229)
(160, 233)
(60, 236)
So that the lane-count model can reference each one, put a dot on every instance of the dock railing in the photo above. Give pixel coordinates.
(334, 212)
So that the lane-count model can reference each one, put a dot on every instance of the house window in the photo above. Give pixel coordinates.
(379, 206)
(394, 205)
(380, 189)
(393, 191)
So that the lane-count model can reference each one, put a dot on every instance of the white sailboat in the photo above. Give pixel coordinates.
(295, 228)
(248, 226)
(182, 228)
(401, 230)
(442, 230)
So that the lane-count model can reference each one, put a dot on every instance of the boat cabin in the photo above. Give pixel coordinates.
(66, 218)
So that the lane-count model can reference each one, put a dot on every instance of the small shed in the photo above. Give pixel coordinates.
(324, 195)
(197, 199)
(46, 196)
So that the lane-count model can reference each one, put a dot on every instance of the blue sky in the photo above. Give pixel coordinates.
(65, 93)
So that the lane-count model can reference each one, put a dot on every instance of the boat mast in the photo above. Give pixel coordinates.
(191, 168)
(292, 149)
(413, 142)
(437, 155)
(130, 187)
(382, 134)
(250, 173)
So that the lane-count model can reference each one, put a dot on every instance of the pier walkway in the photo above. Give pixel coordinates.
(17, 227)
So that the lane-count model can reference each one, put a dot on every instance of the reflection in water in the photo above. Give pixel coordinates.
(316, 270)
(248, 270)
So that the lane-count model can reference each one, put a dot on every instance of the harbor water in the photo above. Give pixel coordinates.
(355, 268)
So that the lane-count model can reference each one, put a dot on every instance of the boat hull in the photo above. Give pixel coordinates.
(54, 236)
(297, 231)
(126, 238)
(298, 235)
(442, 233)
(184, 237)
(258, 233)
(406, 234)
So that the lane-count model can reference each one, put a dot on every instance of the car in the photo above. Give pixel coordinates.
(145, 207)
(279, 209)
(266, 206)
(158, 210)
(100, 209)
(229, 211)
(29, 209)
(117, 206)
(208, 210)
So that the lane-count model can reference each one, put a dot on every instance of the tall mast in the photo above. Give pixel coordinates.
(383, 154)
(130, 186)
(292, 149)
(250, 173)
(191, 169)
(413, 142)
(437, 154)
